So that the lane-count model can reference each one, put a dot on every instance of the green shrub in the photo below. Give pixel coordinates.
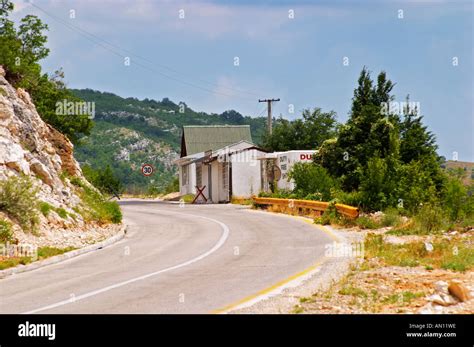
(18, 199)
(391, 217)
(330, 216)
(96, 207)
(456, 200)
(75, 181)
(310, 178)
(415, 186)
(347, 198)
(45, 208)
(366, 222)
(61, 212)
(6, 233)
(374, 187)
(430, 218)
(113, 212)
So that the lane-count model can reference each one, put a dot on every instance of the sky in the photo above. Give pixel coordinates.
(221, 55)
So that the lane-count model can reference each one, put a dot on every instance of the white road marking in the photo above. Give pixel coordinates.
(222, 239)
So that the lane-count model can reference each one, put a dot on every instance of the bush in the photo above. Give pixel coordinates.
(45, 208)
(18, 199)
(310, 178)
(61, 212)
(430, 218)
(96, 207)
(351, 199)
(416, 186)
(6, 233)
(330, 216)
(113, 212)
(103, 179)
(455, 198)
(173, 186)
(374, 191)
(366, 222)
(391, 217)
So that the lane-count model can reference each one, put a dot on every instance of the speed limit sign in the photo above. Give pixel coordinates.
(147, 170)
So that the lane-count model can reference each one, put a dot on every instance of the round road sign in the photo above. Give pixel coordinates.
(147, 170)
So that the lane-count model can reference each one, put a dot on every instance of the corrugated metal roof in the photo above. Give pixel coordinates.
(201, 138)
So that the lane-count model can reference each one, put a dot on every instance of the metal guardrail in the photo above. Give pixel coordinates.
(346, 210)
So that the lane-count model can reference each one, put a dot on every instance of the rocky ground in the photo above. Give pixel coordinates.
(32, 149)
(72, 237)
(374, 286)
(394, 289)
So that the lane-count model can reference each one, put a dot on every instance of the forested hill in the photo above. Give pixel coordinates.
(129, 132)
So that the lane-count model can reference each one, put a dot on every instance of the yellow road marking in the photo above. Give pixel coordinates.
(287, 280)
(268, 290)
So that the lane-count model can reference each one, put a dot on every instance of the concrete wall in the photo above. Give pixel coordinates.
(246, 174)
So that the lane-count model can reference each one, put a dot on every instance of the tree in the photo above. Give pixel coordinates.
(368, 132)
(416, 141)
(233, 117)
(103, 179)
(20, 53)
(308, 133)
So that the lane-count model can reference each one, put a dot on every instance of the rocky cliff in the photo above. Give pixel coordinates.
(30, 147)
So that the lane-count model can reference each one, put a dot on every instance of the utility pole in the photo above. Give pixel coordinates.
(269, 110)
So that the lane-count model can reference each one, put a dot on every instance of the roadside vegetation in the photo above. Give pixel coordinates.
(22, 48)
(376, 161)
(95, 206)
(18, 200)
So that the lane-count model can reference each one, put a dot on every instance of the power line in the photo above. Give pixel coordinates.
(96, 39)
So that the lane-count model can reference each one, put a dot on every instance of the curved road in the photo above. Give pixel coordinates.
(191, 259)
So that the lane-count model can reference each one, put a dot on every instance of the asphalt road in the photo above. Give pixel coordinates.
(191, 259)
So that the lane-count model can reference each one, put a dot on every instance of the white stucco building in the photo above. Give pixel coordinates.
(221, 160)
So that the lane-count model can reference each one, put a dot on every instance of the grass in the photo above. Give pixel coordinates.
(405, 297)
(46, 252)
(455, 254)
(43, 253)
(95, 207)
(11, 262)
(350, 290)
(6, 233)
(391, 218)
(298, 309)
(61, 212)
(45, 208)
(365, 222)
